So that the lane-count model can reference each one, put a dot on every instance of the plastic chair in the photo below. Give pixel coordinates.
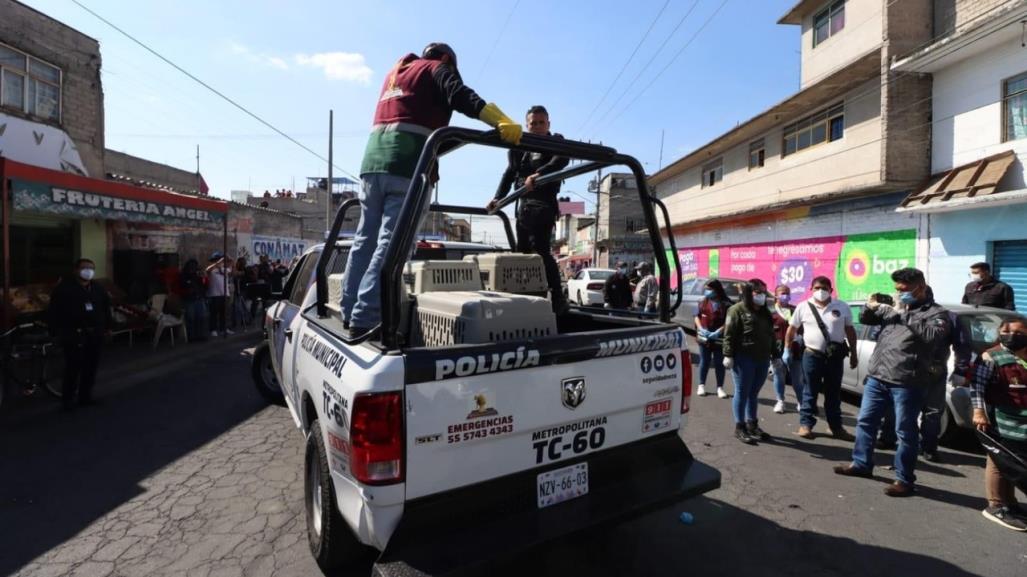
(165, 321)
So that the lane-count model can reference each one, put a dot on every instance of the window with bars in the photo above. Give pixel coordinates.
(712, 172)
(29, 85)
(757, 154)
(826, 126)
(1014, 108)
(828, 22)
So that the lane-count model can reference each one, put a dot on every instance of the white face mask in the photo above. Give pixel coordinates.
(87, 273)
(822, 295)
(975, 277)
(759, 299)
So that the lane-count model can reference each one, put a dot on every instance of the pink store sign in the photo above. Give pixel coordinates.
(858, 265)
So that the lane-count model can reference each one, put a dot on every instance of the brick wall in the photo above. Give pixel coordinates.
(905, 97)
(956, 15)
(137, 168)
(78, 57)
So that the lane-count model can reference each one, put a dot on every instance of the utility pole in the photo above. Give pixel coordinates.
(595, 237)
(660, 165)
(328, 185)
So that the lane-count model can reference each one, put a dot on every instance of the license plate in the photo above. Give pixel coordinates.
(562, 485)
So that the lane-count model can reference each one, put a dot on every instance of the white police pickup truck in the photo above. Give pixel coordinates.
(473, 415)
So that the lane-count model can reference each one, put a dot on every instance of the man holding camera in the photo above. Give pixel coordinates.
(829, 338)
(904, 364)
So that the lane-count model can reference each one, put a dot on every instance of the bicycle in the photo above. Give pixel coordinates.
(26, 353)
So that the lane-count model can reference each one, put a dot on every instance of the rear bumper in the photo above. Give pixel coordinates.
(468, 528)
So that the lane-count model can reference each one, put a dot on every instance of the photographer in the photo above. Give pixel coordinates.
(903, 366)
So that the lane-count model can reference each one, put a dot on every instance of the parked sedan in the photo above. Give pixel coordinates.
(692, 293)
(586, 288)
(977, 331)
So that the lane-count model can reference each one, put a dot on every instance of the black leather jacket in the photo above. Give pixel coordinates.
(521, 165)
(910, 345)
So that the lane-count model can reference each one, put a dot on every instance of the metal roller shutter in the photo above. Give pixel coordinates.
(1011, 268)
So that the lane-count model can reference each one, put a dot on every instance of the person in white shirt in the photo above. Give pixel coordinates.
(217, 293)
(828, 337)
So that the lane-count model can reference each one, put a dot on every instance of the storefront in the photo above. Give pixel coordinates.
(857, 244)
(51, 218)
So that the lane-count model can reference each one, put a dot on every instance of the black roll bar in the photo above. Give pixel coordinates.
(417, 198)
(562, 175)
(481, 211)
(326, 255)
(673, 247)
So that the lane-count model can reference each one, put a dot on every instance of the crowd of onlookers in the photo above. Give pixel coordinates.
(224, 296)
(279, 193)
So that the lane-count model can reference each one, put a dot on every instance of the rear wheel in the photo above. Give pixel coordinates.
(264, 378)
(331, 541)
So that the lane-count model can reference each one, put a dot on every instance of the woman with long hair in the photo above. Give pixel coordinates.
(710, 314)
(748, 343)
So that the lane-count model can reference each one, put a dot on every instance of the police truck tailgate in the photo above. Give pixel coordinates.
(481, 412)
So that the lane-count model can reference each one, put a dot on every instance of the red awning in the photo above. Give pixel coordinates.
(65, 193)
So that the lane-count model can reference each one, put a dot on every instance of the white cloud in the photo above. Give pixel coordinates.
(347, 66)
(257, 57)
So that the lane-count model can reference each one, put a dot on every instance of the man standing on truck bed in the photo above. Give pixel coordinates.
(538, 207)
(419, 96)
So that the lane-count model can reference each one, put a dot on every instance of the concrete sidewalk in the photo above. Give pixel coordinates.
(123, 367)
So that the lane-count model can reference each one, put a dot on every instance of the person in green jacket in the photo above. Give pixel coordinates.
(748, 344)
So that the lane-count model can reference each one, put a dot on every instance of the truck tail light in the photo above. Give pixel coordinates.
(376, 438)
(594, 286)
(686, 380)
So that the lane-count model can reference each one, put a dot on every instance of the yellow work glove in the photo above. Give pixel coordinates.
(509, 130)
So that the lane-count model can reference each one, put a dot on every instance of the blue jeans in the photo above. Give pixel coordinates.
(194, 312)
(793, 370)
(930, 418)
(749, 375)
(823, 375)
(381, 198)
(714, 355)
(878, 398)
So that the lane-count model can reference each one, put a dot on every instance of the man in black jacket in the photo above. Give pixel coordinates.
(617, 289)
(906, 361)
(985, 290)
(79, 314)
(539, 208)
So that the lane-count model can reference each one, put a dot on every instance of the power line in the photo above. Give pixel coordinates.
(499, 36)
(209, 87)
(671, 62)
(650, 62)
(625, 67)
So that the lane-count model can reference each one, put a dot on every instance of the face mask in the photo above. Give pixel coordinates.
(784, 299)
(759, 299)
(975, 277)
(710, 293)
(87, 273)
(822, 295)
(1013, 341)
(907, 298)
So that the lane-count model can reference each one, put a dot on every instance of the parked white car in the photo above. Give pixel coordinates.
(586, 288)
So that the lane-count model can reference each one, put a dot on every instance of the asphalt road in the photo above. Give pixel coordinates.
(190, 473)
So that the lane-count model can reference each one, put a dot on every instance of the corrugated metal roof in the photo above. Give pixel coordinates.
(973, 180)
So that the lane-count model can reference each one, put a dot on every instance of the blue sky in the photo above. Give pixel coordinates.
(291, 62)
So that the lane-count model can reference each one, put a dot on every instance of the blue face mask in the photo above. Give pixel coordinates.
(710, 293)
(907, 298)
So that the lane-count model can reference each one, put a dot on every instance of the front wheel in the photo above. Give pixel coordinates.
(263, 373)
(331, 541)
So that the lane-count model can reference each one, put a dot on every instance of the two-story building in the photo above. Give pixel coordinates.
(58, 204)
(621, 222)
(809, 186)
(975, 205)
